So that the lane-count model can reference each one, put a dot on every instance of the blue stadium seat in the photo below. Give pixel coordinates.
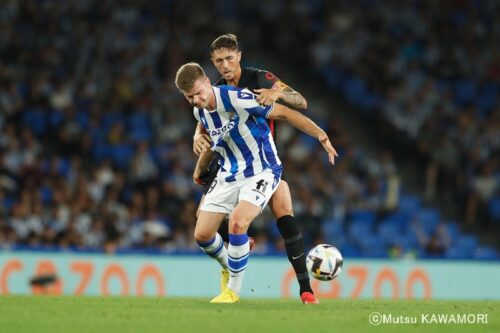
(457, 252)
(464, 91)
(350, 250)
(83, 119)
(452, 229)
(35, 119)
(358, 230)
(486, 252)
(139, 121)
(373, 246)
(333, 76)
(467, 242)
(100, 151)
(407, 241)
(141, 134)
(409, 204)
(353, 88)
(400, 218)
(494, 208)
(364, 216)
(121, 154)
(389, 231)
(332, 229)
(429, 219)
(111, 118)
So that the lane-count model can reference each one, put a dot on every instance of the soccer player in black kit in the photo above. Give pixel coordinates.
(226, 57)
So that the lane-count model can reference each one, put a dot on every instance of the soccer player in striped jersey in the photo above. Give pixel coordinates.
(250, 169)
(226, 57)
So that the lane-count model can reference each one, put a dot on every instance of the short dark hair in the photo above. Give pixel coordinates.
(187, 75)
(227, 41)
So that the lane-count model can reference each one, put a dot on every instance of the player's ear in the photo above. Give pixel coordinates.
(239, 56)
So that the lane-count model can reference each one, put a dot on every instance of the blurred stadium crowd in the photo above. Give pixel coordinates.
(95, 141)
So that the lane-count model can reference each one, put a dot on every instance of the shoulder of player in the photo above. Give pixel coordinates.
(262, 74)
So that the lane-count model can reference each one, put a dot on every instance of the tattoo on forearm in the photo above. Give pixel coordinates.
(292, 99)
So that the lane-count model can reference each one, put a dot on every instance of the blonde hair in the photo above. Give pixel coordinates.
(187, 75)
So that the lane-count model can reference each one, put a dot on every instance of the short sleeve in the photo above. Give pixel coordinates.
(246, 101)
(266, 79)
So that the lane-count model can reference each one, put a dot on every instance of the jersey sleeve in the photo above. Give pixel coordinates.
(247, 102)
(266, 79)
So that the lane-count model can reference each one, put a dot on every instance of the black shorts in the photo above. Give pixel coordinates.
(213, 169)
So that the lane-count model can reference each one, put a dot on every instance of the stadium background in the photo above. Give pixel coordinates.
(95, 141)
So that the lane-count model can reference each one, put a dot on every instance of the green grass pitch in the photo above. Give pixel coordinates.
(135, 314)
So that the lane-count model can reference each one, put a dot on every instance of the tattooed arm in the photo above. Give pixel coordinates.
(283, 94)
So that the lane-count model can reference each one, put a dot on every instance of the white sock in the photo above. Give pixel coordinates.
(238, 249)
(215, 248)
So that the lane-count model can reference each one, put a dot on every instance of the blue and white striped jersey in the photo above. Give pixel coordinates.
(240, 134)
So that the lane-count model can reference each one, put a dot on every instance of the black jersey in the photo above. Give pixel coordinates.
(253, 78)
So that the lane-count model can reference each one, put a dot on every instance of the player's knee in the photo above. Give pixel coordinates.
(237, 224)
(202, 236)
(282, 211)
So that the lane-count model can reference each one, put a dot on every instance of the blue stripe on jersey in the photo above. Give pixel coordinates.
(247, 153)
(232, 158)
(267, 147)
(261, 130)
(226, 101)
(202, 118)
(216, 119)
(260, 111)
(269, 153)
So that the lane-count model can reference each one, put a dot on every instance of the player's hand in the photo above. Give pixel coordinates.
(201, 144)
(267, 96)
(327, 145)
(198, 177)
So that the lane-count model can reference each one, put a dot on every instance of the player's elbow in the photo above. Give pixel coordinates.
(304, 104)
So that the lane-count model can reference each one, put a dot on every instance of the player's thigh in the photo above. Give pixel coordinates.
(281, 201)
(199, 205)
(207, 225)
(242, 216)
(256, 191)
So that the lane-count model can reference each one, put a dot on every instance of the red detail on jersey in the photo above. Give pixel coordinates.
(270, 76)
(271, 126)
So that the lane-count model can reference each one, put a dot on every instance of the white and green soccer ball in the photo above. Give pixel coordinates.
(324, 262)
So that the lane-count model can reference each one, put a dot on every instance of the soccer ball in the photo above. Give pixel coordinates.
(324, 262)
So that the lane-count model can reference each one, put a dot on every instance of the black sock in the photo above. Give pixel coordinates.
(224, 230)
(294, 245)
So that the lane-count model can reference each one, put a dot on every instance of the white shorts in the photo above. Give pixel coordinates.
(222, 196)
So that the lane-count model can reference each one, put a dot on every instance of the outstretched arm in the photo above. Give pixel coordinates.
(306, 125)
